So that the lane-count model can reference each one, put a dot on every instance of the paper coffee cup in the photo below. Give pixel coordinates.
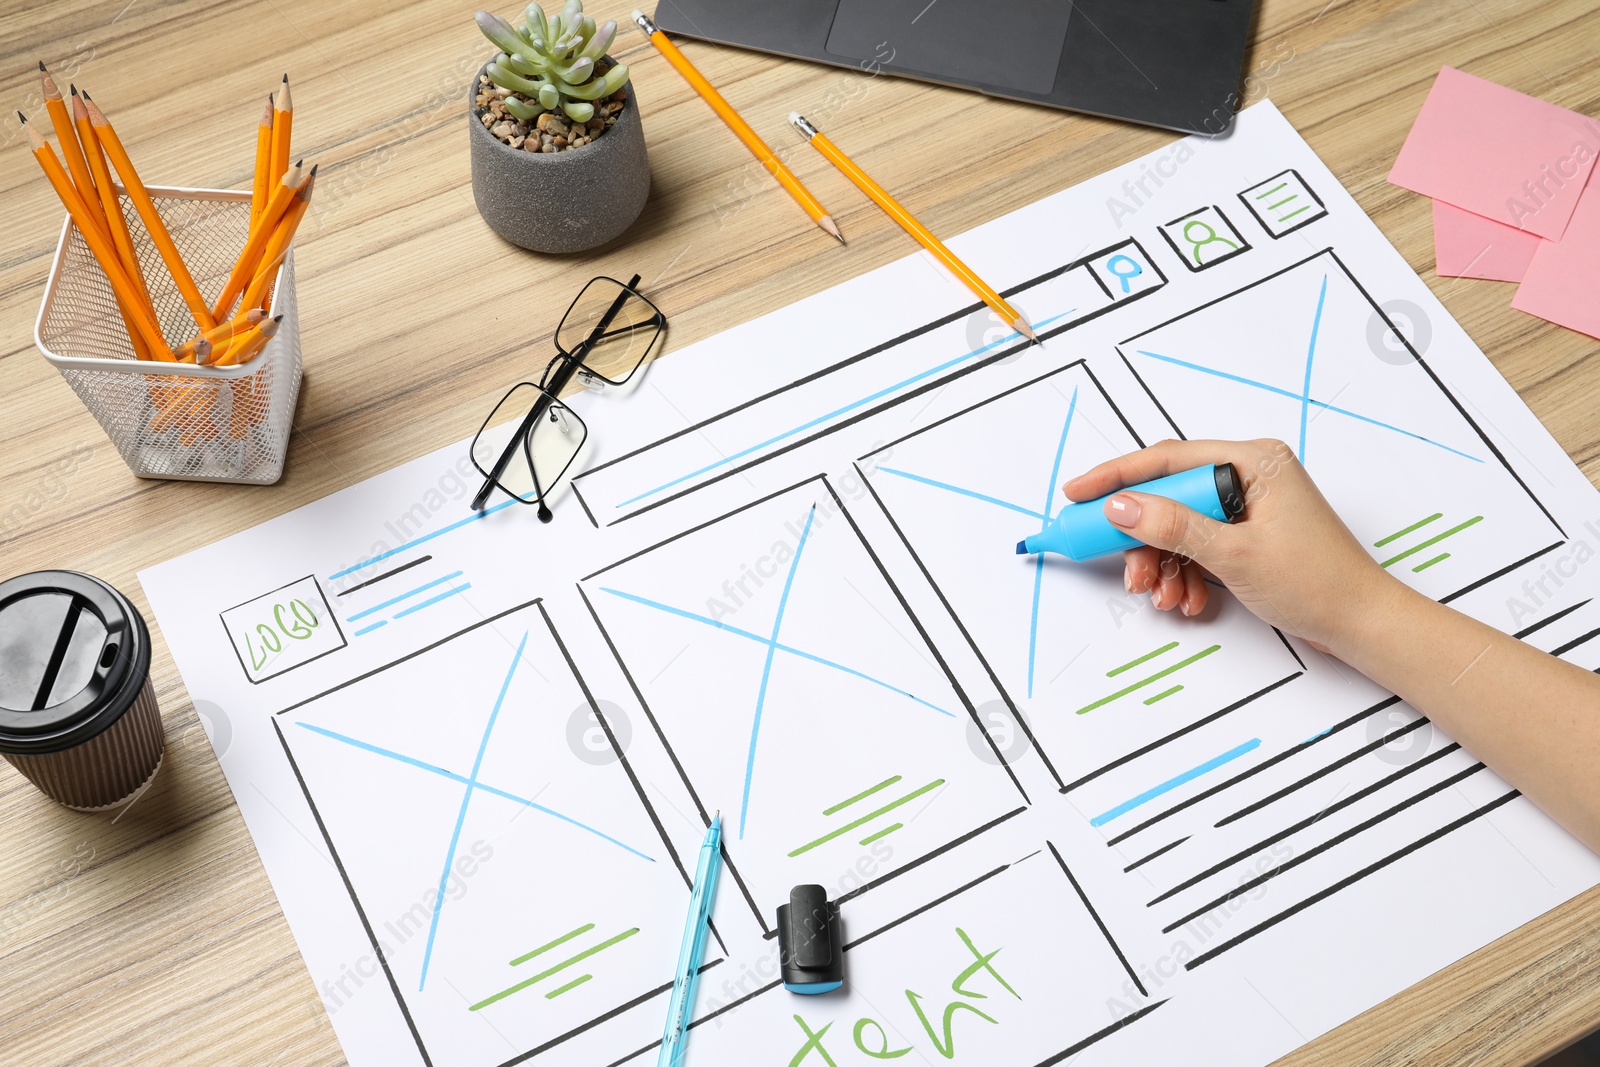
(77, 715)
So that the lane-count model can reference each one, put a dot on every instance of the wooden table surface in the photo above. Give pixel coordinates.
(154, 938)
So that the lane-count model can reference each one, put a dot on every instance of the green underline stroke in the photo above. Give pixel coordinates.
(1168, 647)
(1380, 542)
(886, 783)
(547, 946)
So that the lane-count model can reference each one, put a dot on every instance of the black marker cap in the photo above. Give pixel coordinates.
(810, 949)
(1230, 490)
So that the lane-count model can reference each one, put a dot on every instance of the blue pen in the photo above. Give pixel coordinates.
(675, 1039)
(1082, 531)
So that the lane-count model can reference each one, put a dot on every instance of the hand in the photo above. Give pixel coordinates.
(1289, 558)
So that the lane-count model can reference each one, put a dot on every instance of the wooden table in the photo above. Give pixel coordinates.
(155, 938)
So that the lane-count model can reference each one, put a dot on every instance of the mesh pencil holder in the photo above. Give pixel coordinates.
(175, 420)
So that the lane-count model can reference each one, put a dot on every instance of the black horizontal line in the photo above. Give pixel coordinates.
(385, 574)
(1158, 852)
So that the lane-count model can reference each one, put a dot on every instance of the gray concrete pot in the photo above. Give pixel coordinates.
(560, 201)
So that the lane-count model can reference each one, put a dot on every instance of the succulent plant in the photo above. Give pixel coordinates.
(552, 64)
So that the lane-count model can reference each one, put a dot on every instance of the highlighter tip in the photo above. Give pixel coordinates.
(1022, 548)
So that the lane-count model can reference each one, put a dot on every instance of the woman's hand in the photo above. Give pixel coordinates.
(1289, 558)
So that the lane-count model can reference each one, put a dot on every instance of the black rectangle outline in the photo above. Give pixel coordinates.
(768, 932)
(994, 679)
(1303, 223)
(1437, 381)
(1344, 883)
(344, 642)
(355, 901)
(866, 413)
(1072, 1050)
(1244, 244)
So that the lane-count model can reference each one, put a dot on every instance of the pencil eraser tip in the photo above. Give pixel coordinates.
(794, 116)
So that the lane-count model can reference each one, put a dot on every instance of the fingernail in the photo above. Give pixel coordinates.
(1155, 597)
(1187, 606)
(1127, 579)
(1123, 511)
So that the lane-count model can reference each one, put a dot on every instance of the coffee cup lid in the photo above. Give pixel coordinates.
(74, 654)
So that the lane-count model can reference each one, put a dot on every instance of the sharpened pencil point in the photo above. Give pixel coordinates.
(42, 67)
(22, 118)
(72, 87)
(1022, 327)
(831, 227)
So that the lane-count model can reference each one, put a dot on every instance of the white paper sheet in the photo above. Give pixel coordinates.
(477, 753)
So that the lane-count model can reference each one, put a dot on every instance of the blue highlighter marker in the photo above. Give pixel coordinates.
(1082, 531)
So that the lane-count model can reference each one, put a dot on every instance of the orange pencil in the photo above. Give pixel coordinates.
(741, 129)
(282, 124)
(111, 214)
(71, 151)
(247, 344)
(262, 187)
(260, 233)
(88, 188)
(116, 225)
(98, 243)
(152, 218)
(277, 248)
(219, 336)
(908, 222)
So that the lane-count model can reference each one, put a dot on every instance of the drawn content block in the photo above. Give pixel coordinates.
(1095, 674)
(736, 623)
(446, 846)
(969, 979)
(283, 629)
(1307, 356)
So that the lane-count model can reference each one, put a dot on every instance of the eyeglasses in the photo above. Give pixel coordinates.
(530, 444)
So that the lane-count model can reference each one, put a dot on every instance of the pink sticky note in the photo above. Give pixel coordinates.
(1498, 153)
(1470, 246)
(1562, 281)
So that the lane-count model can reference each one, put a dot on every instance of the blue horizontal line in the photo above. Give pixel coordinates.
(375, 626)
(474, 517)
(402, 596)
(966, 492)
(1297, 397)
(464, 780)
(434, 600)
(780, 646)
(803, 427)
(1173, 783)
